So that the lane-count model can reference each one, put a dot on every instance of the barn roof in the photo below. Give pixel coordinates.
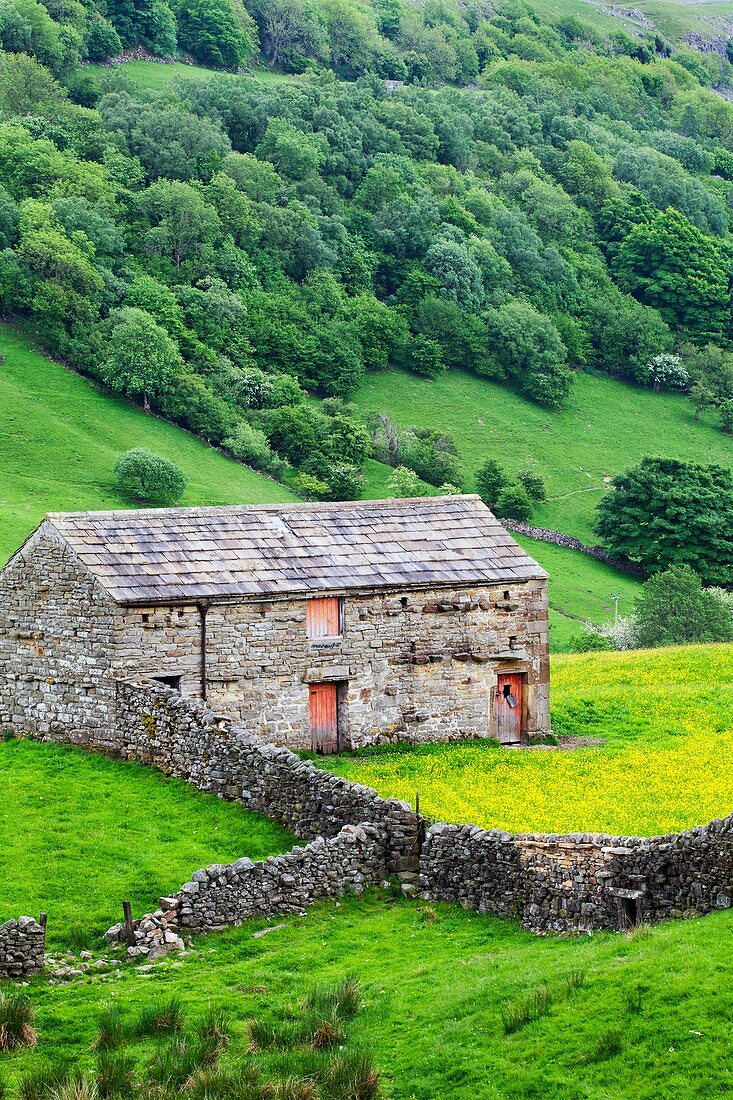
(167, 555)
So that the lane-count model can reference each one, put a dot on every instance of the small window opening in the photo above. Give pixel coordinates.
(403, 601)
(629, 912)
(169, 681)
(507, 594)
(512, 641)
(146, 618)
(180, 613)
(324, 618)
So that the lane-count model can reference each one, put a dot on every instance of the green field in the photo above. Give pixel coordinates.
(665, 718)
(61, 436)
(103, 831)
(651, 1020)
(606, 427)
(155, 74)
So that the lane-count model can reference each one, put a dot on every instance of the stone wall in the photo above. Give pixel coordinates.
(22, 948)
(289, 883)
(183, 737)
(580, 882)
(55, 629)
(556, 538)
(418, 666)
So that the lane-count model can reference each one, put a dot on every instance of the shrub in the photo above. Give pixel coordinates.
(344, 481)
(250, 445)
(588, 641)
(674, 609)
(448, 490)
(16, 1021)
(666, 371)
(490, 480)
(149, 477)
(533, 484)
(513, 502)
(310, 487)
(404, 483)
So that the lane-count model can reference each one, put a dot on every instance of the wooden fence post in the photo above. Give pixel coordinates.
(129, 928)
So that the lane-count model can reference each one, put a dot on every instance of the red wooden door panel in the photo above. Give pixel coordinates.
(323, 702)
(508, 707)
(323, 618)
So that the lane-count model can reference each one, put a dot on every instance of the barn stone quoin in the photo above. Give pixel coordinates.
(312, 626)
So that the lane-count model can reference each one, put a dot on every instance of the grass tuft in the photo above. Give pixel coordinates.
(16, 1021)
(115, 1074)
(518, 1015)
(160, 1018)
(351, 1077)
(111, 1028)
(607, 1045)
(343, 1000)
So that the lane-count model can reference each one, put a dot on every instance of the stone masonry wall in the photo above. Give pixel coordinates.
(183, 737)
(55, 628)
(418, 666)
(288, 883)
(414, 666)
(22, 948)
(580, 882)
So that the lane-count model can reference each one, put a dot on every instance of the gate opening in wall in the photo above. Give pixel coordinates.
(509, 708)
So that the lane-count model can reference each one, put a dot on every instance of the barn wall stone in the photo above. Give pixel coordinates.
(55, 630)
(418, 666)
(580, 882)
(415, 666)
(22, 948)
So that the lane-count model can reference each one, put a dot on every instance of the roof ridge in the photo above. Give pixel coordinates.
(311, 506)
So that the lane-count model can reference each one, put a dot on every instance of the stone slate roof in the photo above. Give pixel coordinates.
(169, 555)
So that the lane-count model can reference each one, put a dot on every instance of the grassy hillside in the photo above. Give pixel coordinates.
(665, 718)
(606, 427)
(651, 1018)
(61, 436)
(104, 830)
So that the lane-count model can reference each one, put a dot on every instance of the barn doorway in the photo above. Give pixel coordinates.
(509, 707)
(323, 702)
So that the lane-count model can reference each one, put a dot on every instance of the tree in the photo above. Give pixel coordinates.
(490, 481)
(533, 484)
(211, 31)
(513, 502)
(149, 477)
(664, 512)
(711, 371)
(671, 265)
(674, 609)
(528, 347)
(140, 359)
(182, 221)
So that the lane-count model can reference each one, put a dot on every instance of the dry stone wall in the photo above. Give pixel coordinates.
(183, 737)
(556, 538)
(580, 882)
(289, 883)
(22, 948)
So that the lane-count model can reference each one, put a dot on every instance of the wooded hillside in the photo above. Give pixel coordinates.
(535, 199)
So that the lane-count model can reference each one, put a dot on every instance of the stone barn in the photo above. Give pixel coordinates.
(316, 626)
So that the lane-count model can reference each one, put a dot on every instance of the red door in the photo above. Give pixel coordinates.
(508, 707)
(323, 701)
